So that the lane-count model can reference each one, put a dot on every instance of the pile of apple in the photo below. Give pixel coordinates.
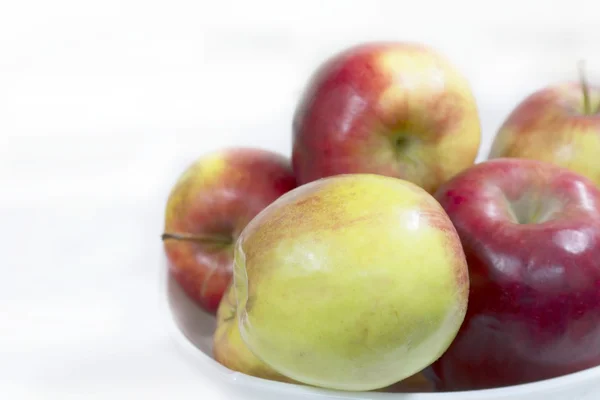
(381, 253)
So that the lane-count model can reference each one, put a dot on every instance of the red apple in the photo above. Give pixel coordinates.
(396, 109)
(209, 206)
(558, 124)
(531, 234)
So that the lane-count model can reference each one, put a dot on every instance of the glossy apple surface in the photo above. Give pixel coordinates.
(395, 109)
(352, 282)
(230, 350)
(531, 234)
(554, 125)
(209, 206)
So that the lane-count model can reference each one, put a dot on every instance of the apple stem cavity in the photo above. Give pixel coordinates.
(587, 109)
(401, 142)
(212, 240)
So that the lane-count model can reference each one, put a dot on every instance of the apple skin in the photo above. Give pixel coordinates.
(230, 351)
(397, 109)
(229, 348)
(552, 125)
(417, 383)
(352, 282)
(531, 234)
(208, 207)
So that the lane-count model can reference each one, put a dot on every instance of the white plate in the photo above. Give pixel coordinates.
(193, 329)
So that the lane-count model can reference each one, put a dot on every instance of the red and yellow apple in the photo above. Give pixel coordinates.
(351, 282)
(559, 124)
(396, 109)
(531, 234)
(209, 206)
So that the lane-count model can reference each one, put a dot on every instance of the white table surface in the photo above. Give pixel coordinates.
(102, 104)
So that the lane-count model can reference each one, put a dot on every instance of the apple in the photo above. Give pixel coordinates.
(230, 350)
(417, 383)
(352, 282)
(559, 124)
(397, 109)
(210, 204)
(531, 234)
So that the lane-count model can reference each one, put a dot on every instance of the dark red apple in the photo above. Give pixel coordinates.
(209, 206)
(531, 234)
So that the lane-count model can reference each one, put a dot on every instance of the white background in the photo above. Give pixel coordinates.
(103, 103)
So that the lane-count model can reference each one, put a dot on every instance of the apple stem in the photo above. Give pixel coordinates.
(584, 86)
(212, 240)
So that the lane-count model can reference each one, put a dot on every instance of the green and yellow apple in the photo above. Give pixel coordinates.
(351, 282)
(230, 350)
(210, 204)
(398, 109)
(559, 124)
